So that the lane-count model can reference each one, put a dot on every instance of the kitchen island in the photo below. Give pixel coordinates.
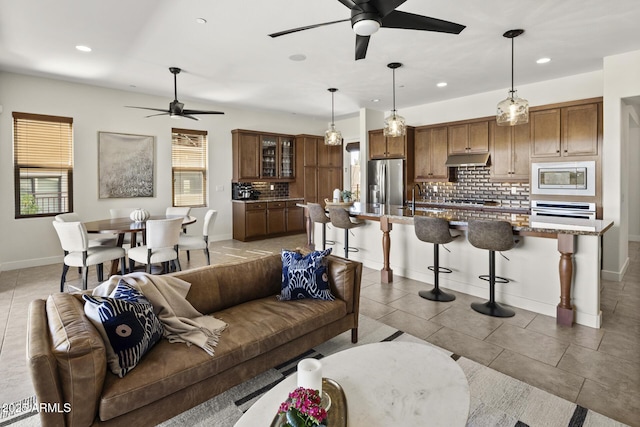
(552, 260)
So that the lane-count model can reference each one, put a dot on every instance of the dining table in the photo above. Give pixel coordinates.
(122, 226)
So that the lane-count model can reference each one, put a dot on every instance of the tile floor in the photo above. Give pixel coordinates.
(596, 368)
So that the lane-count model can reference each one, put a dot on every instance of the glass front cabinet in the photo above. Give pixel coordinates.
(277, 157)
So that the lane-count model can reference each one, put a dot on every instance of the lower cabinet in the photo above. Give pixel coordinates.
(259, 220)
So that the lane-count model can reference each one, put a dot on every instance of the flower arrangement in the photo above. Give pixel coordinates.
(346, 195)
(303, 409)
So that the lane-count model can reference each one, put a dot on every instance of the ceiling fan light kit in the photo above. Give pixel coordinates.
(512, 111)
(394, 125)
(332, 136)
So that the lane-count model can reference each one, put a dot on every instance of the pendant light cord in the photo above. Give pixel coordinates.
(512, 67)
(332, 123)
(394, 90)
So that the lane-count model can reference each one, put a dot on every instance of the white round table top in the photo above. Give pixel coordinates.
(388, 383)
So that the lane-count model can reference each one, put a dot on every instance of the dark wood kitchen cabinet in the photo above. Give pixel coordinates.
(249, 220)
(276, 217)
(246, 155)
(430, 154)
(509, 148)
(259, 220)
(469, 138)
(295, 217)
(322, 168)
(262, 156)
(383, 147)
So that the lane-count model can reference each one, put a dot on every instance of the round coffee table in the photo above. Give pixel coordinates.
(388, 383)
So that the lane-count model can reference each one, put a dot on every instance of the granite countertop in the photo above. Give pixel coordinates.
(459, 218)
(271, 199)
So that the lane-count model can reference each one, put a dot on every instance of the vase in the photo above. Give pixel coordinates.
(139, 215)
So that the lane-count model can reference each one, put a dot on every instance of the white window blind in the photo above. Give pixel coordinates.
(43, 164)
(189, 167)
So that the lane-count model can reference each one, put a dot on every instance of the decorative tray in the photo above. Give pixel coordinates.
(337, 412)
(329, 203)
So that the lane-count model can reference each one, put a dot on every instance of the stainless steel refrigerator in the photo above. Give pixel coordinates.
(385, 179)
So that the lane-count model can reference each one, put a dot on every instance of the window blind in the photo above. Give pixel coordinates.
(43, 164)
(189, 167)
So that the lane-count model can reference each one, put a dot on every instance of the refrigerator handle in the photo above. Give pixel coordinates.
(383, 187)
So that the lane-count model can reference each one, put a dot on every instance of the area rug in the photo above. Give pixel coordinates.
(496, 399)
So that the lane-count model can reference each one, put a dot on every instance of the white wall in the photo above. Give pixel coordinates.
(633, 136)
(620, 81)
(29, 242)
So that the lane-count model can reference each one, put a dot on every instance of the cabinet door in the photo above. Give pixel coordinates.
(295, 218)
(287, 158)
(248, 156)
(521, 146)
(328, 180)
(256, 223)
(269, 156)
(458, 139)
(310, 149)
(310, 184)
(395, 147)
(478, 137)
(329, 155)
(430, 154)
(501, 158)
(439, 153)
(545, 133)
(377, 145)
(422, 154)
(276, 220)
(580, 130)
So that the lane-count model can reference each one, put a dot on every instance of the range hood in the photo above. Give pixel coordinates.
(480, 159)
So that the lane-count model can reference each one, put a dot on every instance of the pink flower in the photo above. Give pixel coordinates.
(306, 403)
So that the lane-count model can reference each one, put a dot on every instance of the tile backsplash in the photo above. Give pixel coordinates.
(473, 183)
(280, 189)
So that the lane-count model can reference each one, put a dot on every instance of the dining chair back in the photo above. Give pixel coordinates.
(188, 243)
(93, 241)
(120, 212)
(182, 211)
(78, 252)
(161, 244)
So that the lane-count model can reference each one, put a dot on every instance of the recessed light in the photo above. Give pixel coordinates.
(201, 20)
(375, 100)
(442, 84)
(298, 57)
(543, 60)
(82, 48)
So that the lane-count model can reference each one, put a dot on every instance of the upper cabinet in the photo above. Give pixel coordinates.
(509, 148)
(265, 156)
(468, 138)
(321, 168)
(567, 131)
(430, 154)
(382, 147)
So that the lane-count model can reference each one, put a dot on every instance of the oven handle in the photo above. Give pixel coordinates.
(563, 213)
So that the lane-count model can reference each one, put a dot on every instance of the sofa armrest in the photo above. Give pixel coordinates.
(345, 277)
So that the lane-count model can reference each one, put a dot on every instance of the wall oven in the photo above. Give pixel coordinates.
(552, 209)
(564, 178)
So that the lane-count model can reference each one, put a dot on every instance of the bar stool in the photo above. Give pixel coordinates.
(340, 219)
(317, 214)
(436, 231)
(492, 236)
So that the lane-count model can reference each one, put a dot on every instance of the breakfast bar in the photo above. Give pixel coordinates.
(554, 268)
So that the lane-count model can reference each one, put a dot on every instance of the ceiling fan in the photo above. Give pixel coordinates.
(176, 108)
(367, 16)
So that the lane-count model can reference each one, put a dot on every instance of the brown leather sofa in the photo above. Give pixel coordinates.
(66, 353)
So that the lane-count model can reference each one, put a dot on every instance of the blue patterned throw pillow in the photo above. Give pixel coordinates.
(127, 324)
(305, 276)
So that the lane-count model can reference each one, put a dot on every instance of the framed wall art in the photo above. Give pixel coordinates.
(125, 165)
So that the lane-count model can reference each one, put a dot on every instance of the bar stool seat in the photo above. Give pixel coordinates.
(436, 231)
(340, 219)
(317, 214)
(492, 236)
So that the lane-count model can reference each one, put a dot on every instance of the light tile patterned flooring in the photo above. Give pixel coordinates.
(596, 368)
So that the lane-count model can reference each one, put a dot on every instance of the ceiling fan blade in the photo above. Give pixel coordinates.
(189, 117)
(308, 27)
(166, 113)
(349, 3)
(410, 21)
(385, 7)
(147, 108)
(362, 43)
(201, 112)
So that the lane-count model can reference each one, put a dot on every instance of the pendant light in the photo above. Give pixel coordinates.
(394, 125)
(513, 110)
(332, 136)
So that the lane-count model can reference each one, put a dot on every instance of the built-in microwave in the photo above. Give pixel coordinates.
(564, 178)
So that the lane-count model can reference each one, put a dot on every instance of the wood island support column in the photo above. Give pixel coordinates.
(566, 247)
(309, 226)
(386, 274)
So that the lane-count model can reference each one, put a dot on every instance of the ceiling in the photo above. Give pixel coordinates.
(231, 62)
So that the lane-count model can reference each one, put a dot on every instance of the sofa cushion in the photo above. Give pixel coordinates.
(305, 276)
(80, 355)
(255, 327)
(127, 324)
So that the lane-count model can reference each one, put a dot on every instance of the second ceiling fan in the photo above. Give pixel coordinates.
(367, 16)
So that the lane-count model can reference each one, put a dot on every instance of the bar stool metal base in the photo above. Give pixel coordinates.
(492, 309)
(436, 294)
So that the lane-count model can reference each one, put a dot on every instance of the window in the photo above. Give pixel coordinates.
(189, 167)
(43, 165)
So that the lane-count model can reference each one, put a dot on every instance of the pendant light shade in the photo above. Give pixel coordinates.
(332, 136)
(513, 110)
(394, 125)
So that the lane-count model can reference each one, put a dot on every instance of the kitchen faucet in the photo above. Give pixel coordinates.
(413, 196)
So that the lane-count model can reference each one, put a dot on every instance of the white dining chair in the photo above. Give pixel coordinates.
(122, 213)
(188, 243)
(78, 253)
(161, 247)
(93, 241)
(182, 211)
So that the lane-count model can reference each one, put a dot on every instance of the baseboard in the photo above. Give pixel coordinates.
(26, 263)
(634, 238)
(615, 276)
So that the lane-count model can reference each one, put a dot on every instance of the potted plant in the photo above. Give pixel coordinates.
(346, 195)
(303, 409)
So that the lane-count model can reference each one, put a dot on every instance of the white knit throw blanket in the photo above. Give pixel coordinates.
(182, 322)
